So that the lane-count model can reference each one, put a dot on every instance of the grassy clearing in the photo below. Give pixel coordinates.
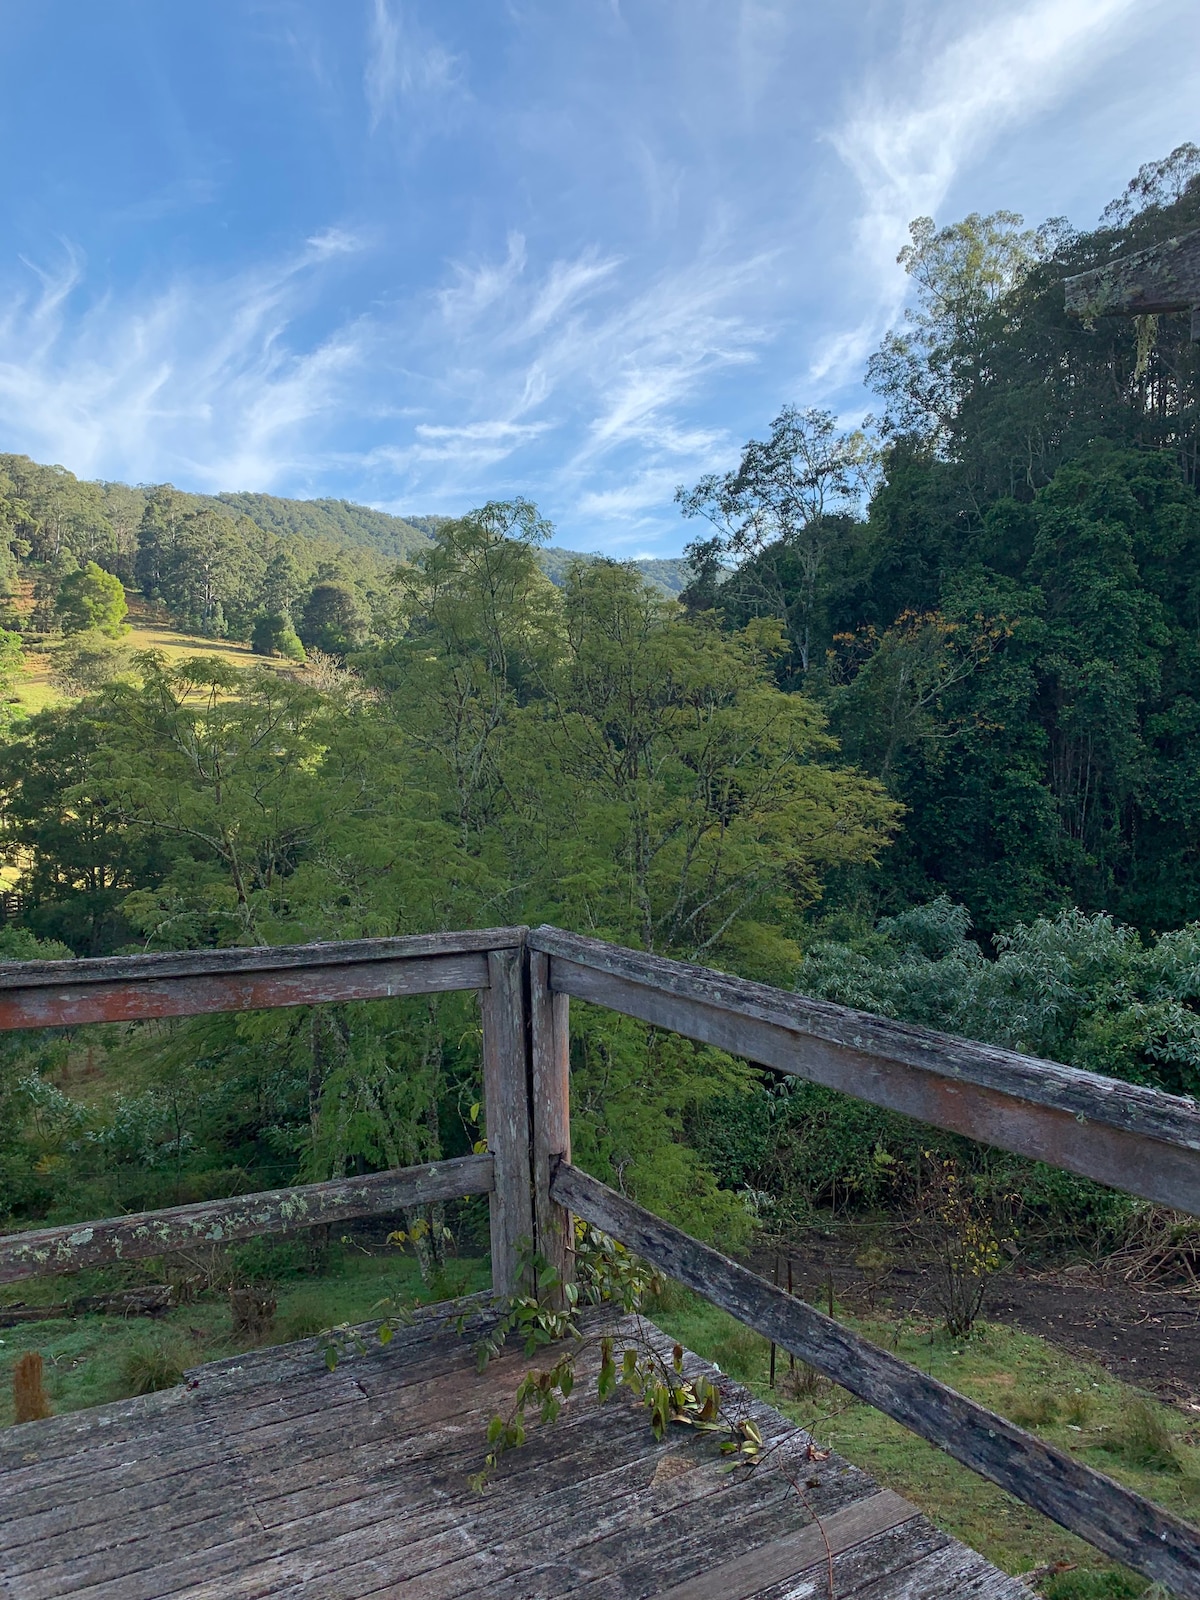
(1074, 1405)
(35, 691)
(92, 1358)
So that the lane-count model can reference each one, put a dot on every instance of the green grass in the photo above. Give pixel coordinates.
(1076, 1406)
(91, 1359)
(34, 691)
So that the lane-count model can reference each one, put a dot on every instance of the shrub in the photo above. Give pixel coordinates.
(272, 634)
(88, 660)
(332, 619)
(154, 1363)
(966, 1247)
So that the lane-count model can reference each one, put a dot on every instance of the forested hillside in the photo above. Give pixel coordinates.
(1009, 638)
(923, 736)
(218, 563)
(338, 521)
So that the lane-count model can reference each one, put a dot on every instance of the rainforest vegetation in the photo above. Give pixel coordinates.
(920, 735)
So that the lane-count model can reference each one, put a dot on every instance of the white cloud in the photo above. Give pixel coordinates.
(477, 288)
(210, 382)
(402, 60)
(566, 283)
(509, 354)
(633, 500)
(595, 282)
(907, 148)
(465, 449)
(195, 381)
(333, 242)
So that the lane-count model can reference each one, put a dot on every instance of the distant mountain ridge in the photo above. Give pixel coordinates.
(345, 522)
(339, 521)
(100, 520)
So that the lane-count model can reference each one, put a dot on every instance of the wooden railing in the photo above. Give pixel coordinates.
(1129, 1137)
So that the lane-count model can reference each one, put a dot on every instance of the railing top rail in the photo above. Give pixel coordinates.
(1086, 1097)
(254, 958)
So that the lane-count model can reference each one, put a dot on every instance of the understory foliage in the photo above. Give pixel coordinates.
(1084, 990)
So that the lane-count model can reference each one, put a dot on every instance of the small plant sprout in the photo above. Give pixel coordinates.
(606, 1273)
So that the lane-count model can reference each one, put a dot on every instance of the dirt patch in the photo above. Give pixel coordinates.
(1148, 1337)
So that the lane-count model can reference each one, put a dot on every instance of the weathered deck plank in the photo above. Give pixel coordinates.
(269, 1477)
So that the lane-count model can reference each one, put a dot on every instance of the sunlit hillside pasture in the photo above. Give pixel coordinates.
(148, 630)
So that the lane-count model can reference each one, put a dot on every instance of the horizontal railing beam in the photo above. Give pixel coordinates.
(1108, 1516)
(1165, 277)
(57, 994)
(246, 1216)
(1121, 1134)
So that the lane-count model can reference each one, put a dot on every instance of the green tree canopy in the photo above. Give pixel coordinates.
(90, 599)
(778, 521)
(272, 634)
(332, 619)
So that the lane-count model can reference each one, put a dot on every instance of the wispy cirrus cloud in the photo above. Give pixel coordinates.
(612, 366)
(217, 383)
(403, 59)
(333, 242)
(197, 380)
(932, 109)
(579, 253)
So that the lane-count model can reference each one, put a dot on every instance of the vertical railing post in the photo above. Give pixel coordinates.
(506, 1080)
(550, 1106)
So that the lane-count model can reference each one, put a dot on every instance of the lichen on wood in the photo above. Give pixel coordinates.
(1162, 279)
(153, 1233)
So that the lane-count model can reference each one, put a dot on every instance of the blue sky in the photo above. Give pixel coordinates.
(422, 255)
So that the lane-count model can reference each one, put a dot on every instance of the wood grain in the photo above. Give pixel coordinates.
(1122, 1134)
(69, 1003)
(1163, 278)
(153, 1233)
(253, 958)
(506, 1108)
(278, 1478)
(56, 994)
(550, 1111)
(811, 1547)
(1112, 1518)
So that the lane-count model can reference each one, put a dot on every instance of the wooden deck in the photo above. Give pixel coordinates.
(267, 1475)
